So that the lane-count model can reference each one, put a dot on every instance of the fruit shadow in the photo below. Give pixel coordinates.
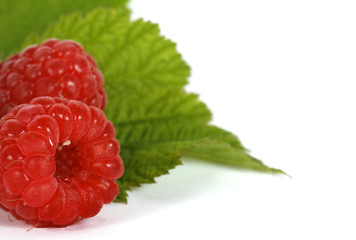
(7, 220)
(187, 182)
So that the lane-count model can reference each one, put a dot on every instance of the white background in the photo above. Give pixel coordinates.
(280, 75)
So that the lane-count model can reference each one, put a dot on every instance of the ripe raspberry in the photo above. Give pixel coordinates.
(59, 160)
(54, 68)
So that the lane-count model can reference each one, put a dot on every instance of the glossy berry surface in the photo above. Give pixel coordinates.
(59, 161)
(54, 68)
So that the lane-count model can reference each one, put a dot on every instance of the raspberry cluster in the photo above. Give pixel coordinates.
(54, 68)
(59, 158)
(58, 161)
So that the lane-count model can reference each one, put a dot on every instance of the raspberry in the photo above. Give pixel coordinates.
(59, 161)
(54, 68)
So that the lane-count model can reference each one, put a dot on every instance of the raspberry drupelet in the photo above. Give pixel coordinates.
(54, 68)
(59, 161)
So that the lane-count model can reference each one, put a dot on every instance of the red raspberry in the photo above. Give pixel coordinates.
(54, 68)
(59, 161)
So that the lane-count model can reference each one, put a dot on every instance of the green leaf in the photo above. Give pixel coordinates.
(156, 120)
(19, 18)
(143, 165)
